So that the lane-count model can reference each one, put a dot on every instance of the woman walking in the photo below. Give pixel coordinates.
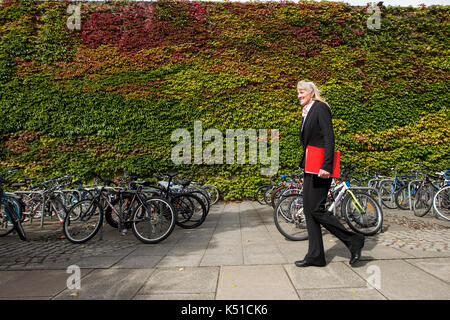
(317, 130)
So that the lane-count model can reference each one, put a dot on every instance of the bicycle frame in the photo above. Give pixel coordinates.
(136, 195)
(344, 188)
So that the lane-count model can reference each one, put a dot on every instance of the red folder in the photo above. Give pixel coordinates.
(314, 160)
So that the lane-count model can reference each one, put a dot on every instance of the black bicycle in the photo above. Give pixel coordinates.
(152, 219)
(190, 210)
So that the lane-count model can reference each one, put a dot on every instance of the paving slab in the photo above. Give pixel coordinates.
(98, 262)
(225, 249)
(183, 280)
(32, 284)
(256, 236)
(222, 234)
(189, 248)
(424, 253)
(176, 296)
(438, 267)
(222, 259)
(138, 262)
(265, 282)
(111, 284)
(341, 294)
(262, 253)
(292, 250)
(337, 251)
(401, 280)
(264, 258)
(236, 254)
(158, 249)
(27, 298)
(333, 275)
(181, 260)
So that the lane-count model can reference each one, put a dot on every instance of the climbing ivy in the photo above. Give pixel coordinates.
(109, 96)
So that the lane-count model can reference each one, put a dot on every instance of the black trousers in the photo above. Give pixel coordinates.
(315, 191)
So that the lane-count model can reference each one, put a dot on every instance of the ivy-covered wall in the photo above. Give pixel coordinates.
(109, 96)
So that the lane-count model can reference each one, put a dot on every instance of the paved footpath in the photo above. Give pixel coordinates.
(236, 254)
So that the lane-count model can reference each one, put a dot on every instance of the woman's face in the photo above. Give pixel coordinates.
(305, 97)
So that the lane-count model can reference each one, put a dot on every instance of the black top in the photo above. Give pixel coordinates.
(318, 132)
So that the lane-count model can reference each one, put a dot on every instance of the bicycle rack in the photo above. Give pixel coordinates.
(67, 191)
(388, 180)
(41, 193)
(375, 180)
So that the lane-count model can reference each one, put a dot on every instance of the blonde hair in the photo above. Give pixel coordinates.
(311, 87)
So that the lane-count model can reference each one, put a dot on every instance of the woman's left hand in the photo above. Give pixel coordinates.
(324, 174)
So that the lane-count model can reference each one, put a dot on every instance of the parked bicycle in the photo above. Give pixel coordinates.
(46, 198)
(441, 200)
(151, 219)
(190, 209)
(10, 212)
(426, 190)
(360, 210)
(390, 186)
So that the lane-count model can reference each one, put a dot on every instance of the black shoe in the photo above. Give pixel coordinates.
(303, 263)
(356, 255)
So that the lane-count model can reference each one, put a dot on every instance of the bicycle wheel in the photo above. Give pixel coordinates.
(259, 196)
(19, 205)
(423, 200)
(6, 226)
(402, 198)
(387, 190)
(70, 198)
(213, 192)
(189, 209)
(268, 195)
(441, 203)
(15, 219)
(83, 220)
(276, 194)
(290, 219)
(153, 221)
(204, 199)
(55, 207)
(362, 212)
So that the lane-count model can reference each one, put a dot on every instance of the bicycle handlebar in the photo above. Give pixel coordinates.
(447, 174)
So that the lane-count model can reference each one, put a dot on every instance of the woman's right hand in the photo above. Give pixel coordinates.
(324, 174)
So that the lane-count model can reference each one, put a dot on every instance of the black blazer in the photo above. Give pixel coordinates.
(318, 132)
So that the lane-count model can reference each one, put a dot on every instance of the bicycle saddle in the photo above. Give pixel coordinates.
(185, 183)
(171, 174)
(142, 183)
(18, 184)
